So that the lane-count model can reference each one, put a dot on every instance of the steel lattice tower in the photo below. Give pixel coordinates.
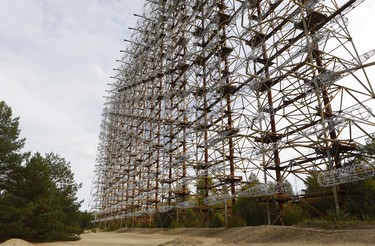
(209, 92)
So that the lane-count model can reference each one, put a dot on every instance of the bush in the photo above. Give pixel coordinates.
(294, 215)
(85, 219)
(215, 219)
(251, 210)
(164, 220)
(236, 221)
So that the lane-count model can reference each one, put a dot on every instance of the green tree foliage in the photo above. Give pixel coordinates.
(38, 208)
(236, 221)
(321, 198)
(164, 220)
(192, 218)
(312, 185)
(252, 210)
(66, 188)
(37, 194)
(357, 199)
(85, 219)
(216, 218)
(288, 189)
(10, 147)
(10, 174)
(294, 214)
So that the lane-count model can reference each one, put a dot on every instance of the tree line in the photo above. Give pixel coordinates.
(38, 199)
(314, 207)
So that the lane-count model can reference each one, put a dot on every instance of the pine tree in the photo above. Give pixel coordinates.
(37, 194)
(41, 195)
(11, 174)
(66, 189)
(10, 147)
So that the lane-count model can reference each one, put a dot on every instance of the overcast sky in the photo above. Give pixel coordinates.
(56, 57)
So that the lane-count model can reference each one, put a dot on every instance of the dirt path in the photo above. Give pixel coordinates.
(134, 238)
(260, 236)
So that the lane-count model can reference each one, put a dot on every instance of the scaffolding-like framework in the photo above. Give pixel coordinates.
(210, 93)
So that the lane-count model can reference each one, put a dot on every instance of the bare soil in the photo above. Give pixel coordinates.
(16, 242)
(258, 235)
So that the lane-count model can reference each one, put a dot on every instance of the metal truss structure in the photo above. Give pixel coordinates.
(211, 91)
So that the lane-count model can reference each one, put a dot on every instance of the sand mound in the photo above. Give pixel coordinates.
(16, 242)
(268, 235)
(184, 242)
(285, 234)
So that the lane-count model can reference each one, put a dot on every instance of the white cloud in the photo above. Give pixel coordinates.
(97, 70)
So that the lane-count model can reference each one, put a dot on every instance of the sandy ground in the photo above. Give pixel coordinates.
(260, 236)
